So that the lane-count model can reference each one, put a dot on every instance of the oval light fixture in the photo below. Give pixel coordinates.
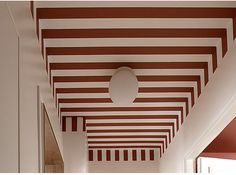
(123, 87)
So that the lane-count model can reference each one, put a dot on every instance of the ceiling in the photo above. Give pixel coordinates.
(173, 48)
(224, 145)
(225, 141)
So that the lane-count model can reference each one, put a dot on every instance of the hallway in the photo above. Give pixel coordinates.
(172, 65)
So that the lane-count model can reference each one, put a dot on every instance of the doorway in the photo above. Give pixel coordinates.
(220, 155)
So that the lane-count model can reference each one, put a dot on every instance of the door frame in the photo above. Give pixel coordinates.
(40, 130)
(226, 115)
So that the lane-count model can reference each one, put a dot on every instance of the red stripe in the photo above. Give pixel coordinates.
(63, 123)
(84, 124)
(125, 155)
(134, 155)
(90, 155)
(32, 8)
(99, 155)
(151, 152)
(143, 155)
(117, 155)
(108, 155)
(74, 123)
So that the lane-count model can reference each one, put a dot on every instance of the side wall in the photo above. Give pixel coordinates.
(32, 74)
(123, 167)
(215, 108)
(75, 149)
(8, 93)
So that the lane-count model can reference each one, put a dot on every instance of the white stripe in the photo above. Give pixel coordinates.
(95, 158)
(125, 113)
(98, 105)
(131, 3)
(138, 72)
(132, 58)
(131, 127)
(120, 113)
(164, 105)
(175, 84)
(81, 85)
(106, 95)
(132, 134)
(140, 95)
(131, 139)
(105, 23)
(128, 133)
(124, 42)
(109, 42)
(171, 94)
(83, 95)
(88, 128)
(68, 124)
(136, 121)
(129, 120)
(128, 139)
(140, 23)
(126, 144)
(141, 84)
(125, 127)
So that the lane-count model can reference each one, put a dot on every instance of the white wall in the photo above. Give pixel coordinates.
(75, 149)
(123, 167)
(8, 93)
(216, 165)
(32, 73)
(215, 108)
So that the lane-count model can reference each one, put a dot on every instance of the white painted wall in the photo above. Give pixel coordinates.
(215, 108)
(123, 167)
(32, 73)
(216, 165)
(8, 93)
(75, 149)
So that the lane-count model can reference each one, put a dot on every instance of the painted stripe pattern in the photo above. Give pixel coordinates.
(174, 51)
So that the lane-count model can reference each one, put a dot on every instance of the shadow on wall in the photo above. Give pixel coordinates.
(53, 162)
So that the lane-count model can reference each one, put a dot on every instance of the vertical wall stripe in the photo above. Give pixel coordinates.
(125, 155)
(143, 155)
(151, 152)
(74, 123)
(32, 8)
(84, 124)
(160, 152)
(90, 155)
(63, 123)
(117, 156)
(108, 155)
(99, 155)
(134, 155)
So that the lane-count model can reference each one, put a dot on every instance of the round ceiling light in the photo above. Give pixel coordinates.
(123, 87)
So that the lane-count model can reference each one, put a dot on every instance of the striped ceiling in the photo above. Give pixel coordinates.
(174, 52)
